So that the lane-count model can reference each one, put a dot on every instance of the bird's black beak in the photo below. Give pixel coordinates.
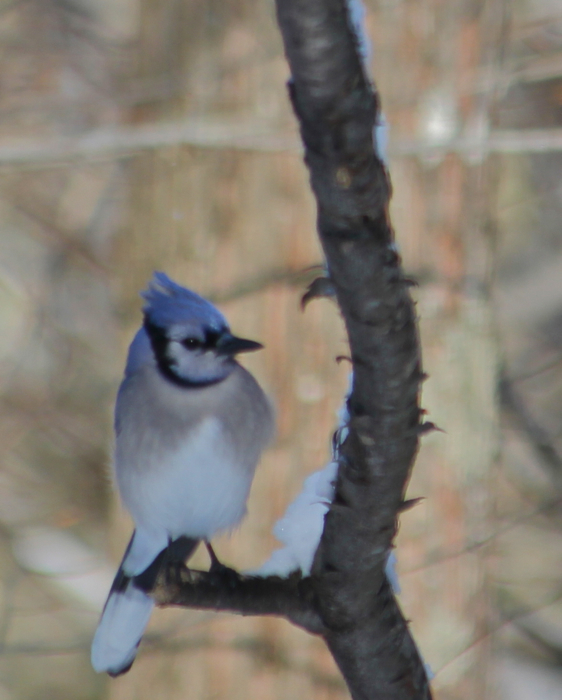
(231, 345)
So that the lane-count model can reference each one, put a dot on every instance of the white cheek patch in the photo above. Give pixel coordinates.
(184, 363)
(174, 350)
(182, 358)
(195, 365)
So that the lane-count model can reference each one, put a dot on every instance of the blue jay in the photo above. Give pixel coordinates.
(190, 425)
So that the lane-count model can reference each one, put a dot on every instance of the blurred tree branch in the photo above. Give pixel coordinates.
(543, 446)
(347, 599)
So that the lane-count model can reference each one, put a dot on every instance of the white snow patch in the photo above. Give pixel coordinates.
(357, 14)
(301, 526)
(390, 571)
(380, 133)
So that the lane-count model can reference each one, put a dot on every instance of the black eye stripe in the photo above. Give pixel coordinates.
(192, 343)
(211, 339)
(210, 342)
(160, 340)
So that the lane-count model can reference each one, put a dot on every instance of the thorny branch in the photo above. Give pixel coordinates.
(347, 598)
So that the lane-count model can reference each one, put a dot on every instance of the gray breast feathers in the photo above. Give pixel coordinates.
(153, 416)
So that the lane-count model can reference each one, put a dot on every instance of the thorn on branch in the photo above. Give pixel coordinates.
(410, 503)
(320, 287)
(428, 427)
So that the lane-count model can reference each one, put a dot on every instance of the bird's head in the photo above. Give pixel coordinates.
(190, 338)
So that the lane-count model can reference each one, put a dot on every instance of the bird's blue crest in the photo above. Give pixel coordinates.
(168, 304)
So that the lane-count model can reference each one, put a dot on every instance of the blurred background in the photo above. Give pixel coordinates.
(156, 134)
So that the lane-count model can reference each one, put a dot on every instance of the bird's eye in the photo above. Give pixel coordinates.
(191, 343)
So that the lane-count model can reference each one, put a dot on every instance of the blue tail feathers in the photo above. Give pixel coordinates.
(128, 609)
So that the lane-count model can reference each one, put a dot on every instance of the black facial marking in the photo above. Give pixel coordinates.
(159, 342)
(209, 343)
(212, 338)
(192, 343)
(158, 339)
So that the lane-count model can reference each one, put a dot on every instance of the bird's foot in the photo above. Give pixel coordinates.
(219, 572)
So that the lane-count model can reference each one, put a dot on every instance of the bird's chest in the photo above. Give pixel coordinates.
(195, 485)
